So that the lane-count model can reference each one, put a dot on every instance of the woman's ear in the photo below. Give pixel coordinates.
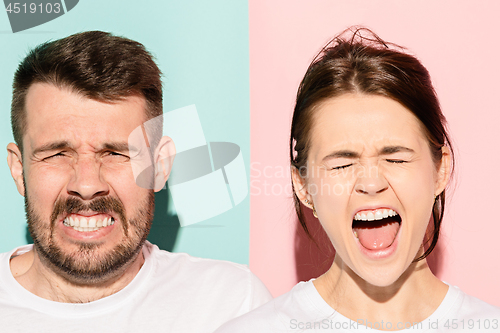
(164, 159)
(300, 188)
(444, 171)
(15, 162)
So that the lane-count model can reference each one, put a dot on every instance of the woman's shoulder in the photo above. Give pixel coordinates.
(464, 307)
(474, 307)
(300, 307)
(460, 312)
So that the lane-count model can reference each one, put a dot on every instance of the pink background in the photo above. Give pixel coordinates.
(458, 43)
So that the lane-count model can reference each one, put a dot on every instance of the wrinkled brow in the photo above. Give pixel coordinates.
(52, 146)
(58, 145)
(352, 154)
(341, 154)
(395, 149)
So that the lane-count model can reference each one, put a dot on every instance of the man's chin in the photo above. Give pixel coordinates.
(90, 265)
(89, 262)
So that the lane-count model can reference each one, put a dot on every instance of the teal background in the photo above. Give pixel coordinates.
(202, 49)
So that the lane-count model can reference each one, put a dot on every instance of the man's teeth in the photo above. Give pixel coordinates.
(378, 214)
(88, 224)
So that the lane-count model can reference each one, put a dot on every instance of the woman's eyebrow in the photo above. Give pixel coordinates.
(352, 154)
(395, 149)
(341, 154)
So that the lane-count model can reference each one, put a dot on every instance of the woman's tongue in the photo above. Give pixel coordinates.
(376, 235)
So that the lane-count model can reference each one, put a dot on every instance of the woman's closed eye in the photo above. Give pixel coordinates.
(342, 166)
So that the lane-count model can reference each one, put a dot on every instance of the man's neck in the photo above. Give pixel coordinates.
(39, 279)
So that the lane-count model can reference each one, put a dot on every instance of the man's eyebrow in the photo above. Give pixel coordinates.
(119, 146)
(395, 149)
(58, 145)
(52, 146)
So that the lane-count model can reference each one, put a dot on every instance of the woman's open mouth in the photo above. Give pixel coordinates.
(376, 229)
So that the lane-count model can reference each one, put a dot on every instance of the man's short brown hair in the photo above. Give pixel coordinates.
(94, 64)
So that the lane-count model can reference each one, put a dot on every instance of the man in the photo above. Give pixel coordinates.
(76, 103)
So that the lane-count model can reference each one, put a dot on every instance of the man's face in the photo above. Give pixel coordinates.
(86, 215)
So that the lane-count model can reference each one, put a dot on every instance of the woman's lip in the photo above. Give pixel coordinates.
(371, 208)
(379, 254)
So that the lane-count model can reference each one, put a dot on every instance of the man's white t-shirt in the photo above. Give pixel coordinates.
(304, 310)
(173, 292)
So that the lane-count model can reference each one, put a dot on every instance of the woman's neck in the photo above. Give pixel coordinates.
(410, 299)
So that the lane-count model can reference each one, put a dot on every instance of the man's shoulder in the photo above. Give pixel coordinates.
(17, 251)
(221, 282)
(185, 261)
(212, 273)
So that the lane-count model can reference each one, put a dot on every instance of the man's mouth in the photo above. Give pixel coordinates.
(88, 223)
(376, 229)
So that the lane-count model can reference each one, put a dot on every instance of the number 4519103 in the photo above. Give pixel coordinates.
(33, 8)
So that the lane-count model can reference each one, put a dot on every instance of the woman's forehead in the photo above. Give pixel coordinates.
(364, 121)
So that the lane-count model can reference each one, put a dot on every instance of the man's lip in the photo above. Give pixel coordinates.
(88, 214)
(87, 235)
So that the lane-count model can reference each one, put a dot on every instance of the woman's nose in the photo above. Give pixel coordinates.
(371, 182)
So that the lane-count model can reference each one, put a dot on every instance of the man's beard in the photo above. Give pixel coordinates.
(86, 265)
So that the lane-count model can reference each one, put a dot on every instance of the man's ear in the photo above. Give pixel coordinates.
(15, 162)
(444, 171)
(300, 188)
(164, 159)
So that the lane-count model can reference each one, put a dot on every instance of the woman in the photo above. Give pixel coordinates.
(371, 157)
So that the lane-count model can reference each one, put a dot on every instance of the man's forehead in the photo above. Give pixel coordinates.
(54, 113)
(66, 99)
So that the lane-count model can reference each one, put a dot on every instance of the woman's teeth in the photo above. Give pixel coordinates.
(88, 224)
(378, 214)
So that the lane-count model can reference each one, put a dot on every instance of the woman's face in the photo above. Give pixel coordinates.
(369, 159)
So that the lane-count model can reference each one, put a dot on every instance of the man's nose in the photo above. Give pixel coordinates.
(371, 182)
(87, 180)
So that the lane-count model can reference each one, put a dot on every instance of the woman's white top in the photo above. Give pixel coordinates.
(304, 310)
